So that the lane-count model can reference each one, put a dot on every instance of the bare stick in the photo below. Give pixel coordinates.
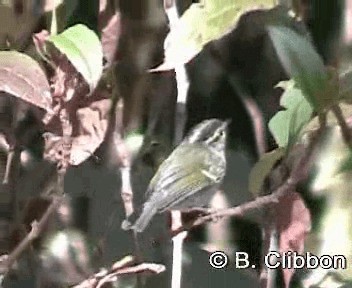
(9, 164)
(240, 210)
(181, 77)
(180, 121)
(268, 276)
(119, 268)
(37, 228)
(124, 161)
(177, 249)
(10, 180)
(299, 173)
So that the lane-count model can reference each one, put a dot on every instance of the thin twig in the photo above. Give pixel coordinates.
(124, 159)
(180, 121)
(9, 164)
(177, 249)
(120, 268)
(299, 173)
(268, 276)
(37, 228)
(13, 165)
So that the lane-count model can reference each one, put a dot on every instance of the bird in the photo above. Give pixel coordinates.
(189, 177)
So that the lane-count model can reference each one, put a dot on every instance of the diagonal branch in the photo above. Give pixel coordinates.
(37, 228)
(298, 174)
(122, 267)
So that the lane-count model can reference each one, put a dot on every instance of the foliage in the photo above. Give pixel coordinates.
(22, 77)
(79, 107)
(303, 64)
(287, 125)
(83, 49)
(186, 40)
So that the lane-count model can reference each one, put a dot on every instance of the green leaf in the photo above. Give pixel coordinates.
(287, 125)
(262, 169)
(202, 23)
(83, 49)
(303, 64)
(22, 77)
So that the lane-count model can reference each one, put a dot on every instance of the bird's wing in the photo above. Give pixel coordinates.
(177, 178)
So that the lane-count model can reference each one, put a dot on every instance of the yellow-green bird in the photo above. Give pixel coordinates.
(190, 176)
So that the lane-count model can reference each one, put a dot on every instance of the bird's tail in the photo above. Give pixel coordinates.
(142, 221)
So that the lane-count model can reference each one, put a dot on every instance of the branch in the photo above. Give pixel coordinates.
(177, 249)
(298, 173)
(37, 228)
(120, 268)
(124, 159)
(180, 121)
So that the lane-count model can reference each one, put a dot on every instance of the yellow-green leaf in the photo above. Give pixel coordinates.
(287, 125)
(202, 23)
(83, 49)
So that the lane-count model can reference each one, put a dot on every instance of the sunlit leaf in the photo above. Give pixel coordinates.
(83, 49)
(202, 23)
(287, 125)
(22, 77)
(303, 64)
(262, 169)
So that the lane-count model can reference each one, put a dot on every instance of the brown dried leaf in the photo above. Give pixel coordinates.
(293, 223)
(22, 77)
(92, 122)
